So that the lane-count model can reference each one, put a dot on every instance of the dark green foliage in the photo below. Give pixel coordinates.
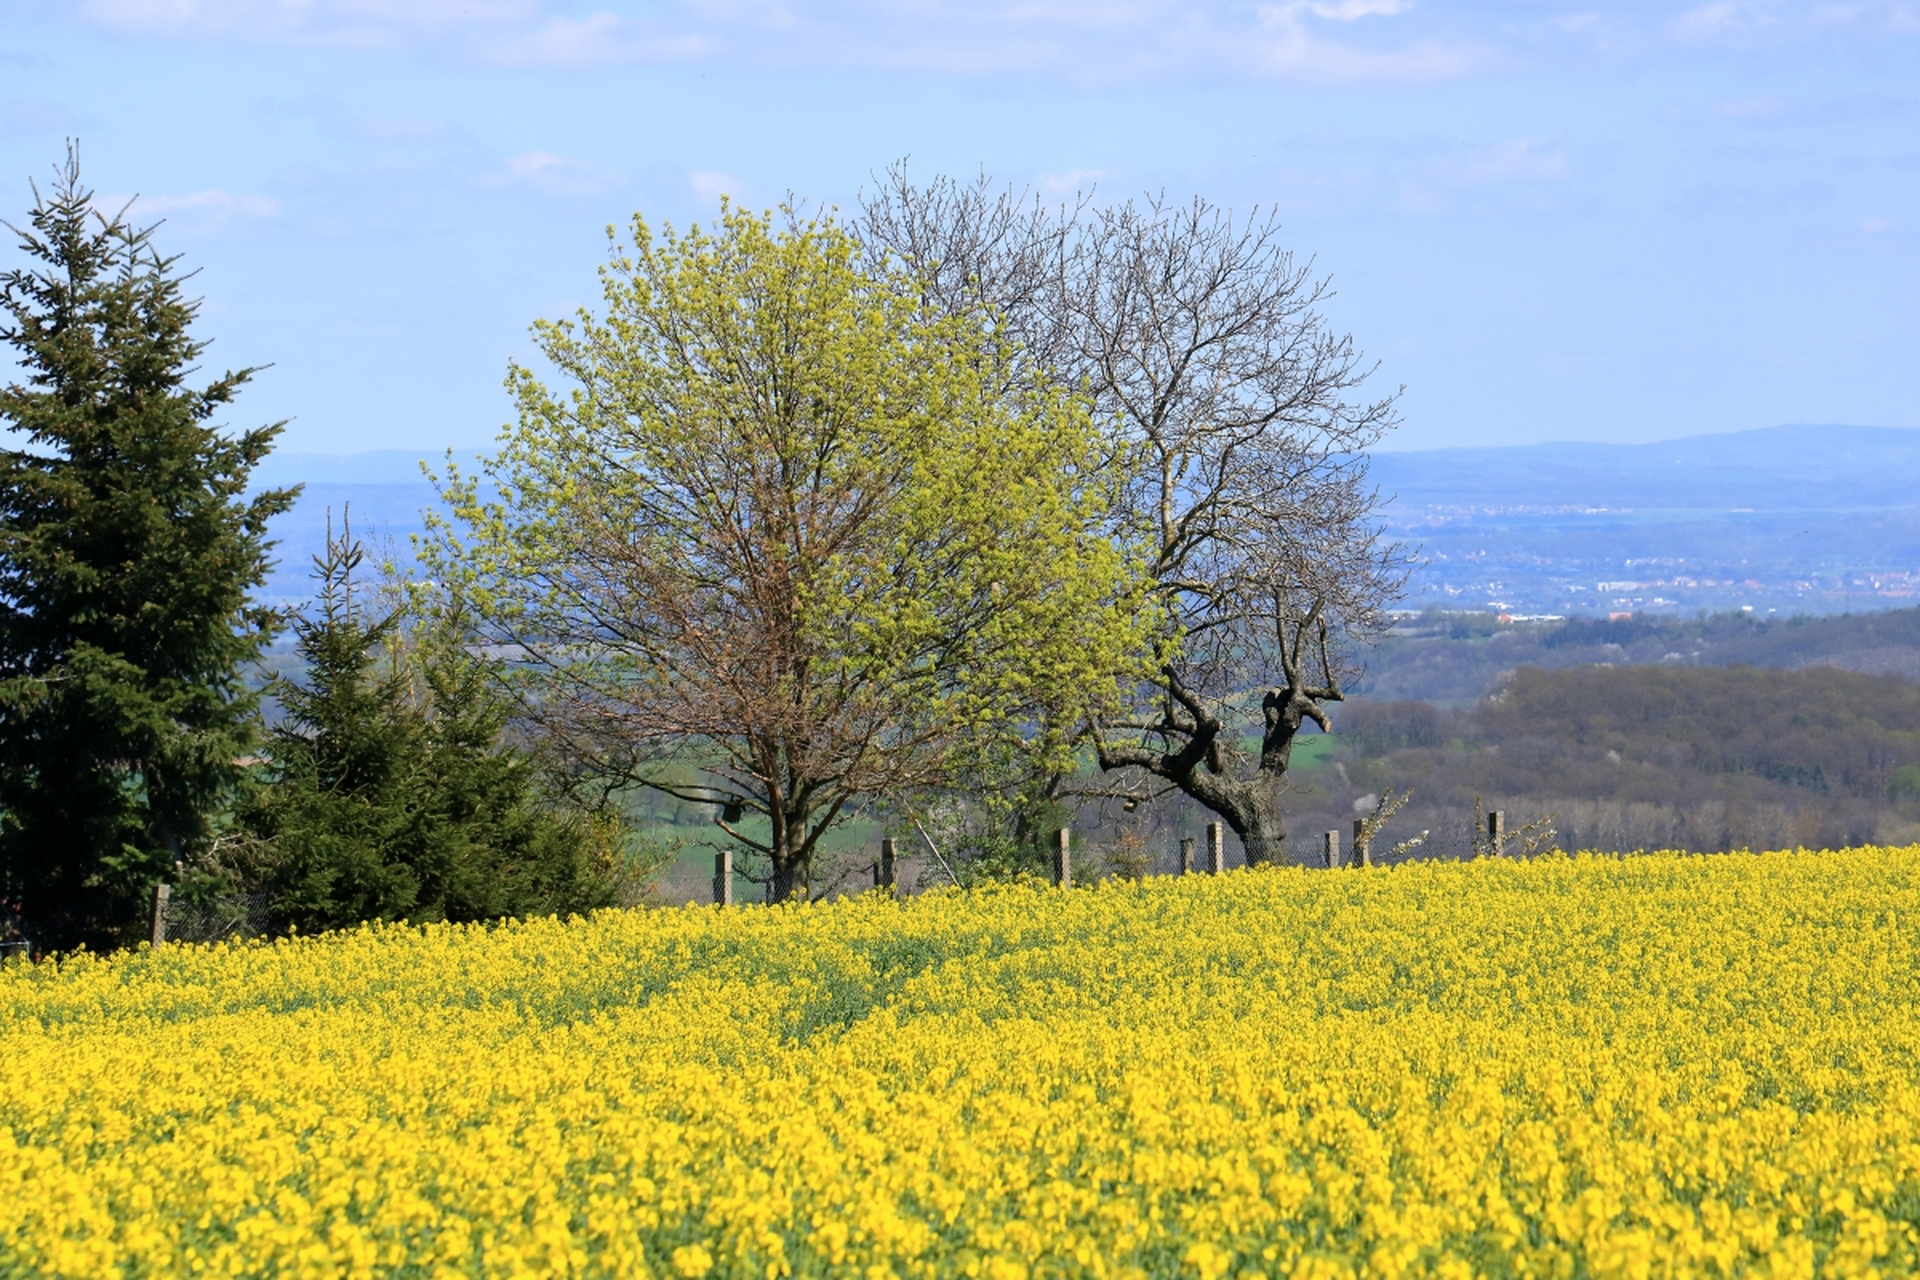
(128, 552)
(389, 794)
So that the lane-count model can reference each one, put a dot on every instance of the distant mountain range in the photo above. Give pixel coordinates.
(381, 493)
(1795, 519)
(1800, 468)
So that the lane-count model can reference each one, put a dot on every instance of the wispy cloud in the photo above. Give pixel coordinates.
(1118, 41)
(1526, 160)
(1504, 176)
(398, 129)
(601, 39)
(711, 184)
(547, 173)
(34, 115)
(1069, 182)
(352, 23)
(203, 212)
(1124, 40)
(1292, 46)
(1758, 109)
(1747, 22)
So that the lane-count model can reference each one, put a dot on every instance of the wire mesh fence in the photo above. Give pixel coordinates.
(217, 919)
(235, 916)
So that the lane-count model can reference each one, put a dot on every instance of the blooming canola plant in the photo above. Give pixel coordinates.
(1652, 1066)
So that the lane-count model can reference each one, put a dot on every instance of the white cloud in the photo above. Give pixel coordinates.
(1333, 10)
(1289, 46)
(1115, 42)
(353, 23)
(1709, 19)
(711, 184)
(1069, 182)
(1082, 40)
(601, 39)
(546, 173)
(195, 212)
(213, 203)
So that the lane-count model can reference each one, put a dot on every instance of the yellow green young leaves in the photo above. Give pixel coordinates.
(783, 513)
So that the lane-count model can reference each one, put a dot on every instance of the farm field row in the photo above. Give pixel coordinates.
(1662, 1065)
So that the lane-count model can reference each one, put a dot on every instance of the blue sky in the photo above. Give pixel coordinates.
(1548, 220)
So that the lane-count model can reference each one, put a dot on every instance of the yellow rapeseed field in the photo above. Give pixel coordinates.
(1650, 1066)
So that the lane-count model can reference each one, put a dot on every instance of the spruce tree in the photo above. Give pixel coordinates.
(389, 793)
(129, 552)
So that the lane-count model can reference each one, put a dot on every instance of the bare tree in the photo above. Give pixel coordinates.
(1240, 418)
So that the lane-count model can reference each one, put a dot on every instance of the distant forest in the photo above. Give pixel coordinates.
(1652, 757)
(1711, 733)
(1453, 659)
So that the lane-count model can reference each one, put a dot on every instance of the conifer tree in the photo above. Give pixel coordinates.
(129, 552)
(389, 792)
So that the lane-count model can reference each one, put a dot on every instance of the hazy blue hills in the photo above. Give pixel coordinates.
(382, 492)
(1801, 468)
(1796, 519)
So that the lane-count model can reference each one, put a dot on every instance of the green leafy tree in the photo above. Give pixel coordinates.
(787, 525)
(389, 793)
(128, 554)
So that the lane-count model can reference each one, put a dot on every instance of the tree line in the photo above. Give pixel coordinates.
(1623, 758)
(807, 517)
(1454, 658)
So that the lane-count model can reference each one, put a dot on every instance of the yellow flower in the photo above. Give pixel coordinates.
(692, 1260)
(1661, 1065)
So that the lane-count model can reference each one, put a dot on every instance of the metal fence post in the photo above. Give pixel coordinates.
(1062, 862)
(1497, 833)
(723, 878)
(1186, 855)
(1362, 846)
(1216, 849)
(161, 893)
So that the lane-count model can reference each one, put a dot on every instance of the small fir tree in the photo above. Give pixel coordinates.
(129, 553)
(389, 792)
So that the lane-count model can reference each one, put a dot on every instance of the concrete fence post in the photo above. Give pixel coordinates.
(1062, 858)
(883, 869)
(162, 892)
(1362, 846)
(723, 878)
(1186, 855)
(1330, 848)
(1497, 833)
(1216, 849)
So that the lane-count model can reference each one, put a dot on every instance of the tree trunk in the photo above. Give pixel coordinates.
(1262, 833)
(792, 879)
(1196, 758)
(791, 855)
